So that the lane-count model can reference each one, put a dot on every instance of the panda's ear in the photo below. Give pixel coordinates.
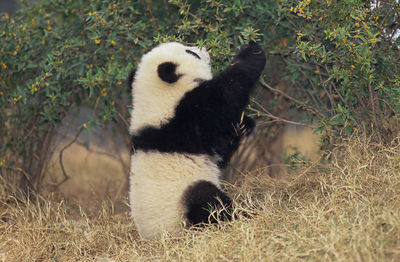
(167, 72)
(131, 77)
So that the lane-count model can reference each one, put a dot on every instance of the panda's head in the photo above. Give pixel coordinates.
(162, 78)
(173, 64)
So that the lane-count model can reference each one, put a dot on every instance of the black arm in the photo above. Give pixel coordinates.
(224, 97)
(207, 119)
(240, 77)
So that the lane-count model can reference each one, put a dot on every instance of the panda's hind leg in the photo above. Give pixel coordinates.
(201, 199)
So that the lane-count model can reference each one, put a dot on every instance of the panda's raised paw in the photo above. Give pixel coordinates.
(251, 60)
(251, 50)
(255, 48)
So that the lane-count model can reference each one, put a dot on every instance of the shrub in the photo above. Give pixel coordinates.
(59, 54)
(335, 58)
(347, 63)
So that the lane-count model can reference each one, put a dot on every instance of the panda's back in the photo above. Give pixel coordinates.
(158, 183)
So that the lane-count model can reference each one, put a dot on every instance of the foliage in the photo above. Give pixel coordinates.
(61, 54)
(348, 62)
(335, 58)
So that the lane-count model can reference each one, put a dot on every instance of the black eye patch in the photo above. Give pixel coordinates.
(193, 54)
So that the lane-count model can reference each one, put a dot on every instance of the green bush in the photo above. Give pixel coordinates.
(334, 59)
(349, 64)
(58, 54)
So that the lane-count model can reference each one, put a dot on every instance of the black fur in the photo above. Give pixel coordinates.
(244, 128)
(193, 54)
(207, 118)
(131, 78)
(203, 197)
(167, 72)
(247, 126)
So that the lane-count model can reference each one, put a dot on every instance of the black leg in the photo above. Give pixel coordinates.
(203, 197)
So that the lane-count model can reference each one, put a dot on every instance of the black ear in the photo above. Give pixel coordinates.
(131, 77)
(167, 72)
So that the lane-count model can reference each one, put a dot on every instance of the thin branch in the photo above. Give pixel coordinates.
(267, 122)
(26, 175)
(66, 177)
(371, 97)
(153, 19)
(98, 152)
(268, 114)
(123, 119)
(331, 82)
(329, 94)
(302, 104)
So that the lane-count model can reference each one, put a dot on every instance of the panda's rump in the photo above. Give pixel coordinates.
(158, 182)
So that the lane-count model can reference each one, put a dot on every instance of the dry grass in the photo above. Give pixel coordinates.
(347, 210)
(93, 177)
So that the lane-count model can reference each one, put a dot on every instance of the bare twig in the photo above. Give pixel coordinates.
(326, 91)
(66, 177)
(268, 114)
(331, 83)
(301, 104)
(267, 122)
(153, 19)
(371, 97)
(333, 103)
(18, 169)
(126, 124)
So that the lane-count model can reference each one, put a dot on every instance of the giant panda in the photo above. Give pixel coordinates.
(185, 125)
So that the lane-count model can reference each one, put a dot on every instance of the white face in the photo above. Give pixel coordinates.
(155, 99)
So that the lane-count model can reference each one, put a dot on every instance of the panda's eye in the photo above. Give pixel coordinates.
(193, 54)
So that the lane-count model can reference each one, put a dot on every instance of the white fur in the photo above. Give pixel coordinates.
(157, 183)
(154, 100)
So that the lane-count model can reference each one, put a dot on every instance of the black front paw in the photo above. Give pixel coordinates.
(251, 59)
(247, 126)
(251, 51)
